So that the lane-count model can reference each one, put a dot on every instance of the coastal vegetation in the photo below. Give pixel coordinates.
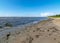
(1, 26)
(8, 25)
(55, 16)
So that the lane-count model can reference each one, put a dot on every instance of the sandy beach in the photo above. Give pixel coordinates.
(47, 31)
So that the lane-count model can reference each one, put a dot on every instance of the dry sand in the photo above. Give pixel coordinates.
(47, 31)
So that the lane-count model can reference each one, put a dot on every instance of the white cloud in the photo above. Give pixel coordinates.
(46, 14)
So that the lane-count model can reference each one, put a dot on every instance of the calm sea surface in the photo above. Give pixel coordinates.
(15, 21)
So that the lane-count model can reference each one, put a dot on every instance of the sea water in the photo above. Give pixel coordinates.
(16, 21)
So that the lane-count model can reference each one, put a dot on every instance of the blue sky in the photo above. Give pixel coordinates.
(29, 8)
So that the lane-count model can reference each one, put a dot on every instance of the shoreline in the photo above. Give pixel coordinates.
(7, 30)
(44, 27)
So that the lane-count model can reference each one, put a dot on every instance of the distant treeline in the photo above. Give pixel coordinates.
(57, 15)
